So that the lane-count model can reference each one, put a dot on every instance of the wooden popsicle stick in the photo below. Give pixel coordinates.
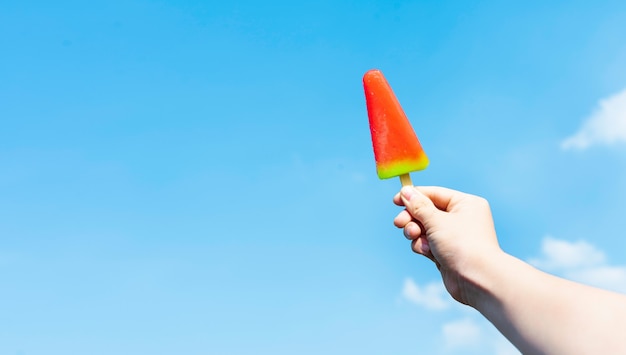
(405, 179)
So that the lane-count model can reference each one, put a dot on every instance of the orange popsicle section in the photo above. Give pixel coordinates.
(396, 148)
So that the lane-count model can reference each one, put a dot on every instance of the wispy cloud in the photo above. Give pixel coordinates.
(581, 262)
(462, 333)
(607, 125)
(468, 334)
(432, 296)
(473, 334)
(564, 255)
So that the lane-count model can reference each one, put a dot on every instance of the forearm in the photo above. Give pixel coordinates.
(543, 314)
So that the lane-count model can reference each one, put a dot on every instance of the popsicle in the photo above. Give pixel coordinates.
(397, 149)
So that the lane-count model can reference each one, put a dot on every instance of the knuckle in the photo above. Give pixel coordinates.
(419, 206)
(482, 202)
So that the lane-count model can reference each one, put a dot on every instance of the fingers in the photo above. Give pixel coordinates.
(412, 231)
(397, 200)
(418, 205)
(424, 213)
(421, 246)
(402, 219)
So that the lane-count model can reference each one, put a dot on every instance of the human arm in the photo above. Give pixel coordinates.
(538, 312)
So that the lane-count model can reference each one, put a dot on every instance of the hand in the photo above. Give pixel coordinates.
(453, 229)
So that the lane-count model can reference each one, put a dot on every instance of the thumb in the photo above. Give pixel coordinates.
(420, 206)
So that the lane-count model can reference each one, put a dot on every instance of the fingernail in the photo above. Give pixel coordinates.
(406, 233)
(425, 246)
(407, 192)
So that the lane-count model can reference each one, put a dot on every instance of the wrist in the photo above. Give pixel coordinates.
(480, 282)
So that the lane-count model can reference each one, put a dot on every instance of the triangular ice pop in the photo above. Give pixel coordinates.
(396, 148)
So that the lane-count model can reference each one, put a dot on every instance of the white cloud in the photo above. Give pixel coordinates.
(606, 125)
(581, 262)
(462, 333)
(561, 254)
(607, 277)
(473, 334)
(470, 334)
(432, 296)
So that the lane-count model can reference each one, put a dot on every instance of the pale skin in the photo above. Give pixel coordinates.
(538, 312)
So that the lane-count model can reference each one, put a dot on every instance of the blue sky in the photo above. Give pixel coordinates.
(197, 176)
